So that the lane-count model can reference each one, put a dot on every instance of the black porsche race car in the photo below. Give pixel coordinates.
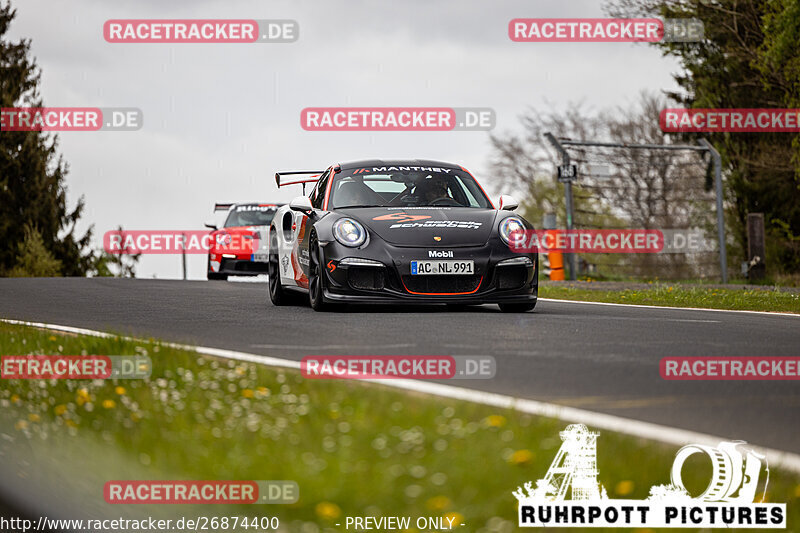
(408, 231)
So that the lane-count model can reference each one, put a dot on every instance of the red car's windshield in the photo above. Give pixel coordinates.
(250, 215)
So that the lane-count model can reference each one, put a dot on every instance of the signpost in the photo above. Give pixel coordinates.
(567, 173)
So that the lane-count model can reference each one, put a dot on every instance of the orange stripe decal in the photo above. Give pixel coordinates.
(441, 293)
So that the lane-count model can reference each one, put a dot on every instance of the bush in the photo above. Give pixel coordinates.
(33, 259)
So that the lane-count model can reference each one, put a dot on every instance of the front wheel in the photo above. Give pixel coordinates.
(277, 294)
(516, 308)
(315, 277)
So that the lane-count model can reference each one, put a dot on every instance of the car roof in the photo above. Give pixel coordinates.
(397, 163)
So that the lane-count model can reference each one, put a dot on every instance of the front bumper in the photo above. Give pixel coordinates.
(239, 267)
(383, 275)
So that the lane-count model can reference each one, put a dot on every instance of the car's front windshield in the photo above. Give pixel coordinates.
(406, 187)
(250, 215)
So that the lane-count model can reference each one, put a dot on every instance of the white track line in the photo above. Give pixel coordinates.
(767, 313)
(646, 430)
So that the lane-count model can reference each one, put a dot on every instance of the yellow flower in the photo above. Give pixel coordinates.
(15, 398)
(71, 423)
(120, 390)
(438, 503)
(109, 404)
(624, 487)
(248, 393)
(495, 421)
(53, 338)
(454, 518)
(82, 396)
(521, 457)
(262, 391)
(21, 425)
(33, 417)
(60, 409)
(327, 510)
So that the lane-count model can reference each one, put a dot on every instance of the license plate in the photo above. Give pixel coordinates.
(429, 268)
(261, 257)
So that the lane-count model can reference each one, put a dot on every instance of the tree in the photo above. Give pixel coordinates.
(33, 259)
(117, 265)
(643, 189)
(526, 162)
(33, 196)
(749, 59)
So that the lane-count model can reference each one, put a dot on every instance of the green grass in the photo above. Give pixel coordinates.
(683, 296)
(355, 449)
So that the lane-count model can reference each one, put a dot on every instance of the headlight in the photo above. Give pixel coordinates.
(360, 261)
(349, 232)
(510, 225)
(523, 260)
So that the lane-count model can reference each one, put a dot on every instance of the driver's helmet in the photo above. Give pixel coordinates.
(432, 188)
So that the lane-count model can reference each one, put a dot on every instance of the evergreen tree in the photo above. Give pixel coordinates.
(33, 259)
(32, 174)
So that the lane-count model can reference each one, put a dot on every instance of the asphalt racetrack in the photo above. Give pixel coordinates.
(595, 357)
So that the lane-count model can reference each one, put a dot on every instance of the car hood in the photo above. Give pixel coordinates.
(442, 226)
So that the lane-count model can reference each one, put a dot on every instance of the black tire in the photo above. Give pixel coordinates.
(277, 294)
(315, 278)
(516, 308)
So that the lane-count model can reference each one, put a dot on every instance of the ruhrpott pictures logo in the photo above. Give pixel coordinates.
(729, 501)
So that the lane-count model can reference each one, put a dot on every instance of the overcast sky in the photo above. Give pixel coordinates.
(220, 119)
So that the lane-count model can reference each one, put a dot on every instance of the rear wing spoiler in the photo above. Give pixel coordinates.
(222, 207)
(313, 176)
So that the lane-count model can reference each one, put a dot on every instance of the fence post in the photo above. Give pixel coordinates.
(565, 161)
(756, 247)
(183, 254)
(723, 251)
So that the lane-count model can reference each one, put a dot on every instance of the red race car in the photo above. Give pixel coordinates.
(241, 246)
